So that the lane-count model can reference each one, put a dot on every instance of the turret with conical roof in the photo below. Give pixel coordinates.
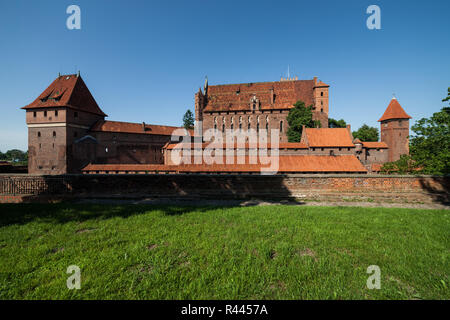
(395, 130)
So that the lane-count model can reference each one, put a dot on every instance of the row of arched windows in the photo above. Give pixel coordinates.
(249, 121)
(39, 134)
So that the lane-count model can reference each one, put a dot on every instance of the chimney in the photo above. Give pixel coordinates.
(350, 131)
(271, 96)
(315, 81)
(143, 126)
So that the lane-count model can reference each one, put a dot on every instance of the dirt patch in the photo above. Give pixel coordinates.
(279, 285)
(307, 252)
(362, 202)
(152, 246)
(405, 286)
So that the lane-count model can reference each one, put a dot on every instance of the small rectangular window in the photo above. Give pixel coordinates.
(34, 114)
(56, 113)
(45, 113)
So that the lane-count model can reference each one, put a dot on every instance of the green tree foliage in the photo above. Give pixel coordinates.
(448, 96)
(188, 120)
(333, 123)
(298, 117)
(430, 144)
(366, 133)
(14, 155)
(402, 166)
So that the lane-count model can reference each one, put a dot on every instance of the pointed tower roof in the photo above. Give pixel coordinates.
(394, 111)
(68, 91)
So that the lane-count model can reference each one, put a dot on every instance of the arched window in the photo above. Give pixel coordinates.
(39, 134)
(215, 123)
(281, 126)
(240, 123)
(232, 124)
(223, 124)
(54, 134)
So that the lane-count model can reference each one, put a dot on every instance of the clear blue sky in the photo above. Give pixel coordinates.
(144, 60)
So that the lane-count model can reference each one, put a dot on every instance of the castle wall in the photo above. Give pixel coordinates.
(421, 189)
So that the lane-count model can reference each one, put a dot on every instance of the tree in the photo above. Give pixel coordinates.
(333, 123)
(366, 133)
(405, 164)
(188, 120)
(16, 155)
(298, 117)
(430, 144)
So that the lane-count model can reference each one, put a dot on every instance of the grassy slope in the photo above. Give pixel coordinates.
(272, 252)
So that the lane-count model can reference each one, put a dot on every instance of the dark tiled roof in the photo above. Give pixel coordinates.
(129, 127)
(67, 91)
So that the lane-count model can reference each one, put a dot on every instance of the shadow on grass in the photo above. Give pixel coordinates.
(68, 212)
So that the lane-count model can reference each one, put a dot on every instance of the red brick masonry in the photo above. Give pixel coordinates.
(424, 189)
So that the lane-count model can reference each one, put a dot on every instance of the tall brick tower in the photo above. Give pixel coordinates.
(395, 130)
(63, 113)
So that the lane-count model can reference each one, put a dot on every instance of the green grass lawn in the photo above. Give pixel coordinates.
(265, 252)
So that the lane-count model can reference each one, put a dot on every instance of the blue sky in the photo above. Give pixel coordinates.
(144, 60)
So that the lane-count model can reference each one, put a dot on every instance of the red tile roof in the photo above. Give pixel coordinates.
(236, 97)
(67, 91)
(282, 145)
(287, 164)
(328, 137)
(375, 145)
(129, 127)
(394, 111)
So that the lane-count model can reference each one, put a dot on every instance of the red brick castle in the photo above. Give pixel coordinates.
(68, 133)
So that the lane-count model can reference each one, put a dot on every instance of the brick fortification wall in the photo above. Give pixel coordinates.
(422, 189)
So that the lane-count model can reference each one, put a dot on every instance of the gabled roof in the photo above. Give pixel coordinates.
(129, 127)
(328, 137)
(237, 97)
(394, 111)
(67, 91)
(287, 164)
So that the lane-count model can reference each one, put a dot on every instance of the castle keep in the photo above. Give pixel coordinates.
(259, 105)
(68, 133)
